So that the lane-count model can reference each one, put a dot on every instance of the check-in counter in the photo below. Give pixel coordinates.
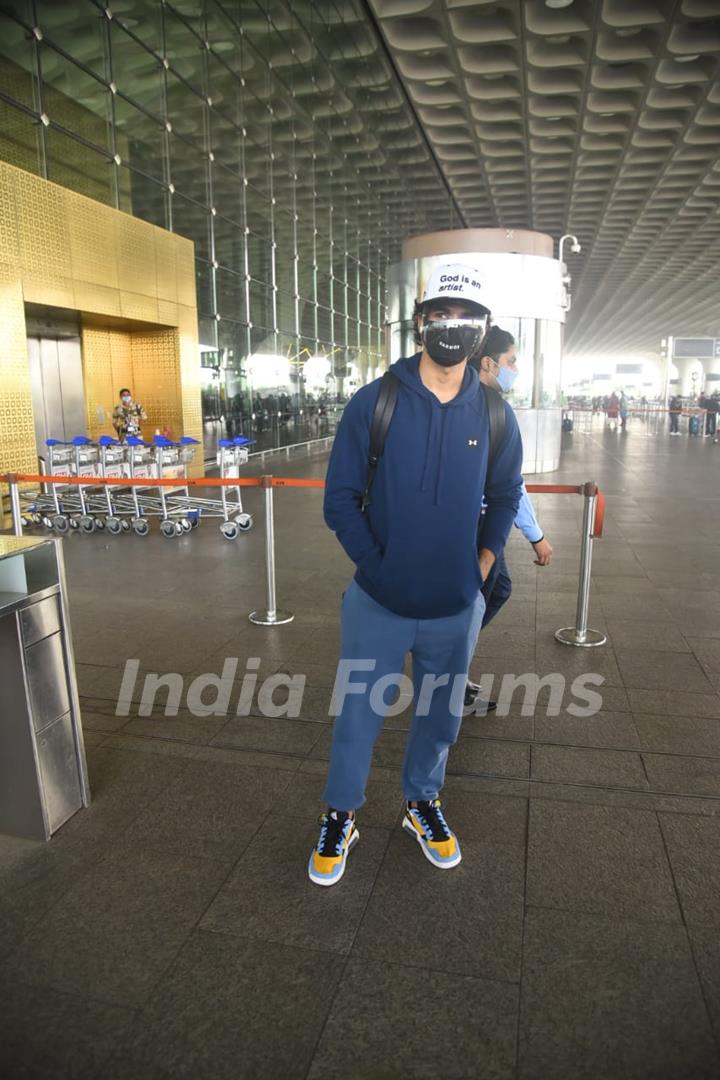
(43, 773)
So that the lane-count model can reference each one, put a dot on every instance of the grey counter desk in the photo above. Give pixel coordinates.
(43, 774)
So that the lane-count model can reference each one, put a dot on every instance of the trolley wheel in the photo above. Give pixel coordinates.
(37, 519)
(244, 522)
(194, 519)
(167, 528)
(125, 525)
(74, 523)
(185, 525)
(47, 522)
(100, 523)
(26, 522)
(230, 530)
(61, 523)
(87, 524)
(114, 526)
(141, 526)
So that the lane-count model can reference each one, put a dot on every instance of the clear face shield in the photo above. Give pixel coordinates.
(450, 341)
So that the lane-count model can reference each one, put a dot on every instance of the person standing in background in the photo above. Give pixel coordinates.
(127, 416)
(675, 408)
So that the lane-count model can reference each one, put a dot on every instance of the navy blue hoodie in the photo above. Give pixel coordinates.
(415, 548)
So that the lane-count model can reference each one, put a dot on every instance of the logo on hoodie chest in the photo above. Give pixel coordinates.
(472, 442)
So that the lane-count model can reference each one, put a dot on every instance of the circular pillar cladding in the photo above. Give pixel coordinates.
(525, 288)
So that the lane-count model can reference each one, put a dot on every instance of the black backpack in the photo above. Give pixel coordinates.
(383, 414)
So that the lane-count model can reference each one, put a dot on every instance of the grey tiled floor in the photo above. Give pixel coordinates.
(170, 931)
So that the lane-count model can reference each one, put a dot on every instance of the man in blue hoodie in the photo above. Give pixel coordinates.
(419, 575)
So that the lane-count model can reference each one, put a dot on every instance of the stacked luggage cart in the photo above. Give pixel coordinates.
(116, 509)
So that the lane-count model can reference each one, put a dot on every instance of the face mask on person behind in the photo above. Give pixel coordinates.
(449, 344)
(506, 377)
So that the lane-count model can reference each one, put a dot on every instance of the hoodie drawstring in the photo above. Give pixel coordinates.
(428, 446)
(441, 455)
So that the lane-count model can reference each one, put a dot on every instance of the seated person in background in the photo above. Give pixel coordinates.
(127, 416)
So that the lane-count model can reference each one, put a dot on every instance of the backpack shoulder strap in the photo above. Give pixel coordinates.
(496, 420)
(382, 416)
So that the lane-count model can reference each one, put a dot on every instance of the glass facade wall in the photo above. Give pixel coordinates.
(276, 136)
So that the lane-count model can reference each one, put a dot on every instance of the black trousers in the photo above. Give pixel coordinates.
(497, 589)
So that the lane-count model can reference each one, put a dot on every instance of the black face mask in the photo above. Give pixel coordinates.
(449, 344)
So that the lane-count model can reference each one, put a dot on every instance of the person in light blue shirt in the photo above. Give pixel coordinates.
(497, 367)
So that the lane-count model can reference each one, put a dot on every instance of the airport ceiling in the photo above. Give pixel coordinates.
(597, 117)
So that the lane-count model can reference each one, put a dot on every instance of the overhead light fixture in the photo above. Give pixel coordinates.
(558, 3)
(687, 59)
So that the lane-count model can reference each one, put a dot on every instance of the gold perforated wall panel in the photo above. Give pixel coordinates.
(62, 249)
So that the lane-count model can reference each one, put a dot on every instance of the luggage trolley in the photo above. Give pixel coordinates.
(112, 464)
(139, 466)
(232, 454)
(178, 512)
(72, 506)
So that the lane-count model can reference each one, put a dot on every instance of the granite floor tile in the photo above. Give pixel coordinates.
(662, 671)
(579, 765)
(605, 997)
(674, 701)
(115, 932)
(604, 729)
(693, 845)
(705, 943)
(212, 810)
(58, 1034)
(707, 651)
(275, 734)
(635, 634)
(481, 901)
(122, 782)
(683, 775)
(362, 1040)
(490, 757)
(677, 734)
(269, 896)
(231, 1009)
(599, 859)
(183, 727)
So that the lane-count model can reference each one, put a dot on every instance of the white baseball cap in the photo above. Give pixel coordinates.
(455, 281)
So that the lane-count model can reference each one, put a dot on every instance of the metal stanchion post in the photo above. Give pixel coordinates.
(270, 616)
(580, 634)
(15, 505)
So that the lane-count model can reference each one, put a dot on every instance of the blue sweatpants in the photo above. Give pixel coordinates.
(377, 641)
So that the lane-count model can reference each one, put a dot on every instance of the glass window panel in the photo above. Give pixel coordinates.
(227, 194)
(139, 139)
(230, 291)
(76, 166)
(192, 221)
(78, 29)
(259, 257)
(204, 284)
(184, 50)
(19, 138)
(188, 169)
(136, 72)
(261, 306)
(286, 311)
(259, 212)
(550, 363)
(74, 99)
(186, 111)
(17, 62)
(143, 197)
(141, 17)
(225, 141)
(229, 244)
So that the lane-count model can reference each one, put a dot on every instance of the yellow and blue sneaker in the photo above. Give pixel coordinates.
(426, 823)
(337, 836)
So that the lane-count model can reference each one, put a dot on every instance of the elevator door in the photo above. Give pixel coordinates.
(57, 389)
